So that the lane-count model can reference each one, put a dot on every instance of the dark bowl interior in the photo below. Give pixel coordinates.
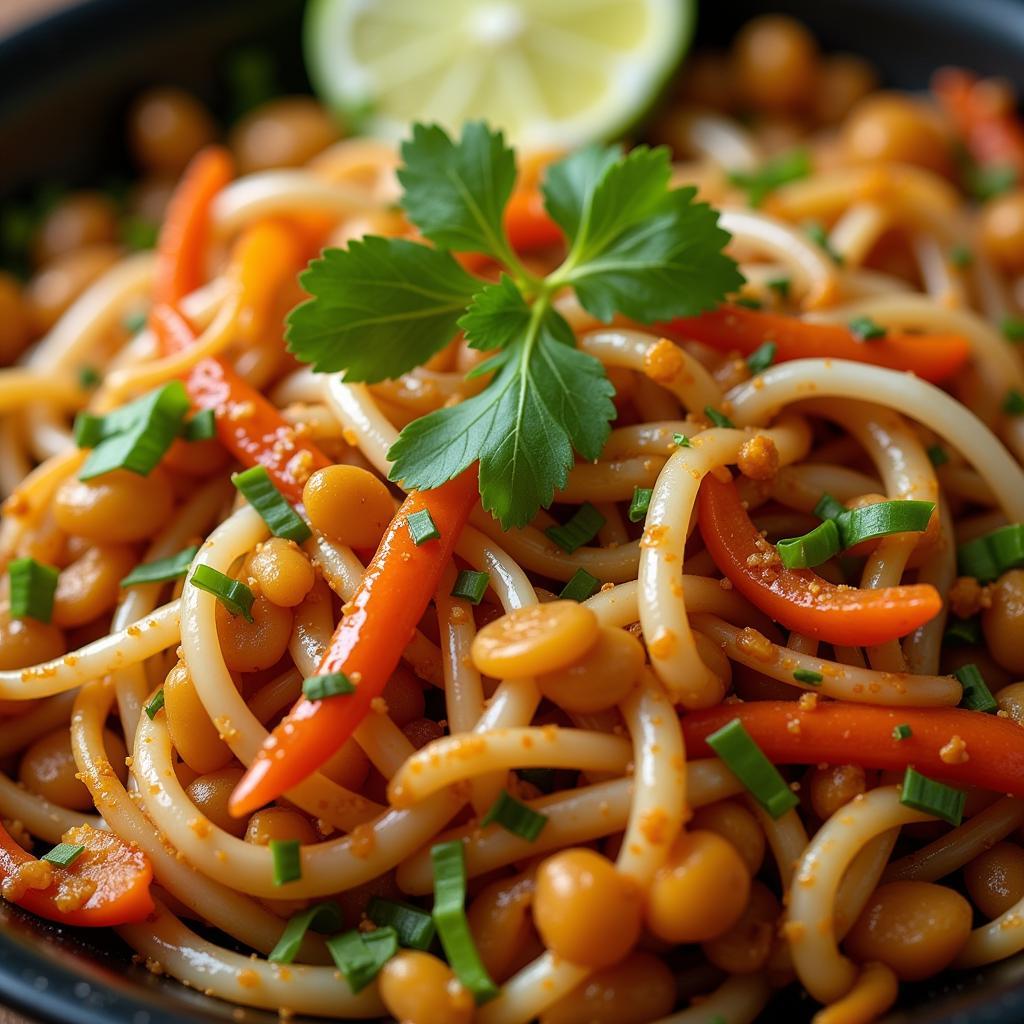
(64, 87)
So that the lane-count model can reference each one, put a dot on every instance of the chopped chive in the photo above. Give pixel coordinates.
(866, 329)
(202, 426)
(718, 418)
(134, 322)
(515, 817)
(817, 233)
(415, 928)
(937, 455)
(1013, 403)
(860, 524)
(449, 863)
(748, 302)
(780, 285)
(542, 778)
(360, 955)
(759, 183)
(806, 675)
(287, 860)
(89, 377)
(64, 854)
(421, 527)
(333, 684)
(682, 441)
(745, 759)
(988, 557)
(581, 529)
(138, 232)
(812, 548)
(963, 631)
(977, 696)
(1013, 329)
(902, 732)
(235, 596)
(281, 519)
(33, 586)
(640, 504)
(961, 256)
(471, 586)
(155, 704)
(986, 182)
(324, 918)
(829, 507)
(580, 587)
(762, 357)
(924, 794)
(161, 570)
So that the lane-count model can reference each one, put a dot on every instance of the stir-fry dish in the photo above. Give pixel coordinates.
(460, 583)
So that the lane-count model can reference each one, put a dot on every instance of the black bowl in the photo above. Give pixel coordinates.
(64, 86)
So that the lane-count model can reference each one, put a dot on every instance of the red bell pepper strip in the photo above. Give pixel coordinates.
(391, 598)
(933, 357)
(107, 885)
(834, 732)
(527, 222)
(798, 598)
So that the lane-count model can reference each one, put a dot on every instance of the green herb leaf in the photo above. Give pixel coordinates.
(580, 587)
(415, 928)
(324, 917)
(1013, 403)
(769, 176)
(155, 705)
(808, 676)
(902, 732)
(515, 817)
(762, 357)
(1013, 328)
(161, 570)
(866, 329)
(360, 955)
(33, 587)
(64, 854)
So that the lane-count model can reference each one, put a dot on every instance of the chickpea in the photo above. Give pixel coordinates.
(15, 320)
(282, 571)
(60, 282)
(286, 132)
(775, 64)
(279, 823)
(25, 642)
(584, 909)
(1011, 700)
(1001, 230)
(737, 826)
(118, 506)
(895, 128)
(403, 695)
(602, 678)
(700, 891)
(843, 82)
(211, 793)
(746, 946)
(995, 879)
(535, 640)
(348, 767)
(834, 786)
(166, 128)
(251, 646)
(82, 218)
(417, 988)
(48, 768)
(1003, 621)
(639, 989)
(916, 928)
(91, 585)
(421, 731)
(194, 736)
(349, 505)
(499, 918)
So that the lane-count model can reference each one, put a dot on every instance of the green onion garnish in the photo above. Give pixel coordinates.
(762, 357)
(866, 329)
(281, 519)
(471, 586)
(988, 557)
(155, 704)
(748, 302)
(791, 166)
(287, 860)
(333, 684)
(235, 596)
(33, 586)
(580, 587)
(816, 232)
(415, 928)
(745, 759)
(963, 631)
(324, 918)
(134, 322)
(202, 426)
(781, 285)
(984, 182)
(924, 794)
(902, 732)
(937, 455)
(813, 548)
(640, 504)
(515, 817)
(1013, 403)
(421, 527)
(682, 441)
(829, 507)
(449, 863)
(977, 696)
(579, 530)
(718, 418)
(64, 854)
(961, 256)
(1013, 328)
(806, 675)
(89, 377)
(173, 567)
(859, 524)
(360, 955)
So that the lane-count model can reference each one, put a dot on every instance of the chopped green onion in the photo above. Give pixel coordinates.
(770, 175)
(682, 440)
(812, 548)
(860, 524)
(138, 232)
(515, 817)
(542, 778)
(718, 418)
(817, 233)
(963, 631)
(360, 955)
(961, 256)
(235, 596)
(1013, 403)
(89, 377)
(988, 557)
(640, 504)
(937, 455)
(134, 322)
(829, 507)
(866, 329)
(161, 570)
(449, 863)
(63, 854)
(155, 704)
(324, 918)
(986, 182)
(333, 684)
(287, 860)
(977, 696)
(202, 426)
(415, 928)
(421, 527)
(781, 285)
(471, 585)
(924, 794)
(281, 519)
(902, 732)
(762, 357)
(745, 759)
(1013, 329)
(579, 530)
(33, 586)
(806, 675)
(748, 302)
(580, 587)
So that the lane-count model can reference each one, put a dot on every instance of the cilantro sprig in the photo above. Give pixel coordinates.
(382, 306)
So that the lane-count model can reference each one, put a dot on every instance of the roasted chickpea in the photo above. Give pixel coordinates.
(417, 988)
(211, 794)
(348, 767)
(48, 768)
(700, 891)
(892, 127)
(584, 909)
(91, 585)
(499, 918)
(834, 786)
(403, 695)
(15, 320)
(747, 945)
(639, 989)
(1011, 700)
(282, 571)
(286, 132)
(1001, 230)
(916, 928)
(995, 879)
(61, 281)
(80, 219)
(251, 646)
(843, 82)
(775, 64)
(1003, 621)
(279, 823)
(116, 507)
(599, 680)
(25, 642)
(736, 825)
(349, 505)
(194, 736)
(166, 128)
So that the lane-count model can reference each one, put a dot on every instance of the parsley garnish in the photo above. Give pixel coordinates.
(384, 305)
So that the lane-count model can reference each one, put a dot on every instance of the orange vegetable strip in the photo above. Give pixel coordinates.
(933, 357)
(378, 622)
(527, 222)
(839, 733)
(111, 879)
(798, 598)
(267, 257)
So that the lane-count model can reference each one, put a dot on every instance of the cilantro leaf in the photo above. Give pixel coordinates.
(379, 308)
(496, 317)
(455, 192)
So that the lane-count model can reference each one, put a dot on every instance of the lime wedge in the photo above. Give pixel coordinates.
(552, 73)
